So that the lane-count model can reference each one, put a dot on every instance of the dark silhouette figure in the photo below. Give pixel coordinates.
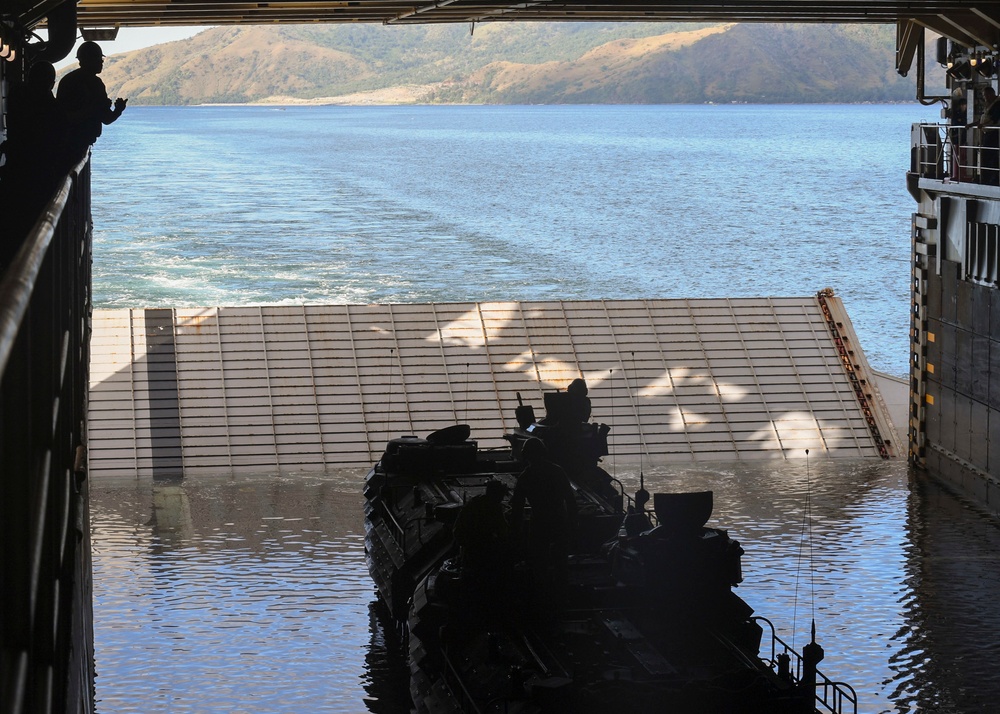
(569, 408)
(989, 155)
(958, 120)
(578, 404)
(35, 121)
(546, 488)
(573, 441)
(35, 154)
(481, 530)
(989, 94)
(85, 99)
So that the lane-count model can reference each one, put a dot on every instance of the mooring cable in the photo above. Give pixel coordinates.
(805, 539)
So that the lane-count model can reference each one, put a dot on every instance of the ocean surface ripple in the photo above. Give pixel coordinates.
(251, 594)
(216, 206)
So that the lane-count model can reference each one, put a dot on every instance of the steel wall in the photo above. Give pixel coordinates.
(962, 383)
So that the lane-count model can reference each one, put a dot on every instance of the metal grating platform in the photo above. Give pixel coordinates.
(258, 389)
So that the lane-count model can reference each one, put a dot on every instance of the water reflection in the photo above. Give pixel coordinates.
(388, 681)
(944, 657)
(230, 595)
(251, 594)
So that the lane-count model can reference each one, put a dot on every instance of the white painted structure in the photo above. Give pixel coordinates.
(314, 387)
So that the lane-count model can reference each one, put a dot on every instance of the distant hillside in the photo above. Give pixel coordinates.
(511, 63)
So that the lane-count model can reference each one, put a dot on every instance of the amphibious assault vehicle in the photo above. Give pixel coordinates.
(633, 610)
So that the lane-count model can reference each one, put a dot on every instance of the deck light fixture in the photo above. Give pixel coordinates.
(941, 51)
(7, 49)
(99, 34)
(960, 70)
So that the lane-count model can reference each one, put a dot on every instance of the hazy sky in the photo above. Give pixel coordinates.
(133, 38)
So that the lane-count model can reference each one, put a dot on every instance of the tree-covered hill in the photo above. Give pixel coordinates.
(638, 63)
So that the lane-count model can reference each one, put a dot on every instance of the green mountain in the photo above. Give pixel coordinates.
(512, 63)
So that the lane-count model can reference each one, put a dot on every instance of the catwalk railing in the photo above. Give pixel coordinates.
(46, 611)
(969, 157)
(956, 153)
(833, 697)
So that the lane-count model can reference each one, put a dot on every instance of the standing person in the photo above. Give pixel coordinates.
(989, 154)
(35, 155)
(481, 531)
(35, 120)
(85, 99)
(958, 121)
(546, 488)
(578, 401)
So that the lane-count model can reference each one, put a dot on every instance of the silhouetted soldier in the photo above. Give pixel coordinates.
(35, 121)
(35, 153)
(573, 442)
(578, 403)
(568, 409)
(480, 530)
(547, 490)
(989, 155)
(481, 533)
(85, 100)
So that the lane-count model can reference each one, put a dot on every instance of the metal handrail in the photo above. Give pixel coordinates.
(956, 153)
(629, 502)
(18, 281)
(835, 696)
(46, 631)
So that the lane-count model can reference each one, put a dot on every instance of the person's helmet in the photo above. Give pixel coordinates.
(533, 449)
(496, 488)
(42, 74)
(89, 50)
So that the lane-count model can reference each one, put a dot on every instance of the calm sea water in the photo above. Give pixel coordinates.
(247, 205)
(251, 595)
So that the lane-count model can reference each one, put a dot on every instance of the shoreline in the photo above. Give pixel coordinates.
(350, 101)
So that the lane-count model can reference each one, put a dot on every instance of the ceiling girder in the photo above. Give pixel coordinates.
(908, 36)
(991, 17)
(958, 31)
(974, 27)
(975, 22)
(36, 10)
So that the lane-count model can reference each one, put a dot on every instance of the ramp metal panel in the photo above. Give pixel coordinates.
(300, 388)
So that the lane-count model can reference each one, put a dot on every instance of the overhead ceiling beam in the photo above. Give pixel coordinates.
(908, 35)
(954, 18)
(38, 11)
(494, 15)
(951, 29)
(992, 18)
(974, 27)
(419, 10)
